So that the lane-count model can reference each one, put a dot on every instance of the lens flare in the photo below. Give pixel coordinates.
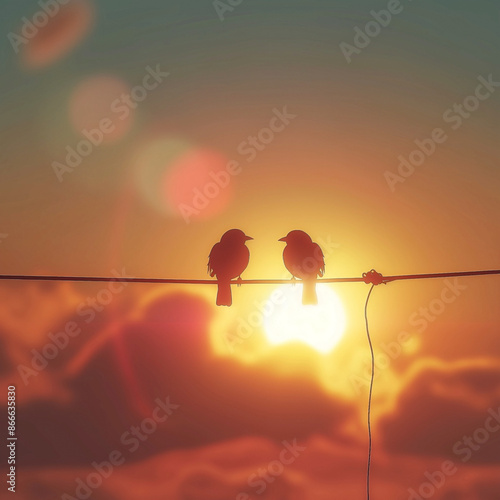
(179, 179)
(97, 104)
(55, 32)
(198, 185)
(151, 164)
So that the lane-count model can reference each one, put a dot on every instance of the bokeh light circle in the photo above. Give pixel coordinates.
(198, 184)
(97, 103)
(182, 180)
(55, 33)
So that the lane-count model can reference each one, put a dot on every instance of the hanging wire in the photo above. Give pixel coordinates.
(370, 395)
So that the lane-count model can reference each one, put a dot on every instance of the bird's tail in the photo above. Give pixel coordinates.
(309, 296)
(224, 297)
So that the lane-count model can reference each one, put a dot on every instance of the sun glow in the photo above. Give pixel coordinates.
(320, 326)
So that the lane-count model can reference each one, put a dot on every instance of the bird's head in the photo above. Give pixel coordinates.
(235, 236)
(296, 237)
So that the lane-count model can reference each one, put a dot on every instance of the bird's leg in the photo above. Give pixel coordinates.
(293, 280)
(239, 281)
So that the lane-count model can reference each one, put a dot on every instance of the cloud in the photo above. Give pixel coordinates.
(233, 417)
(165, 351)
(221, 471)
(443, 409)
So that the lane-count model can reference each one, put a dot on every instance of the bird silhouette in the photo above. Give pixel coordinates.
(227, 260)
(304, 260)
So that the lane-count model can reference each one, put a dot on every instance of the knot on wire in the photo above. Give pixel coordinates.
(373, 278)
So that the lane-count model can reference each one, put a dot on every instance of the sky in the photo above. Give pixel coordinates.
(135, 134)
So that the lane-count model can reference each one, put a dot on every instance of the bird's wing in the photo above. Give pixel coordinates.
(212, 259)
(320, 258)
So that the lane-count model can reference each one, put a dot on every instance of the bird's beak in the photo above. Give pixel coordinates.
(283, 239)
(248, 238)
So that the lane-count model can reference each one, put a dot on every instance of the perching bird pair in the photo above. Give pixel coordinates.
(302, 257)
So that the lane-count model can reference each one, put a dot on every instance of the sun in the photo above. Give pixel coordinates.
(320, 326)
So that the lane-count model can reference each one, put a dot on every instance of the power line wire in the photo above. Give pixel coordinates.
(388, 279)
(370, 278)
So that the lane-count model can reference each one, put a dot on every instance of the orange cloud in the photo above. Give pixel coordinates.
(165, 351)
(449, 410)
